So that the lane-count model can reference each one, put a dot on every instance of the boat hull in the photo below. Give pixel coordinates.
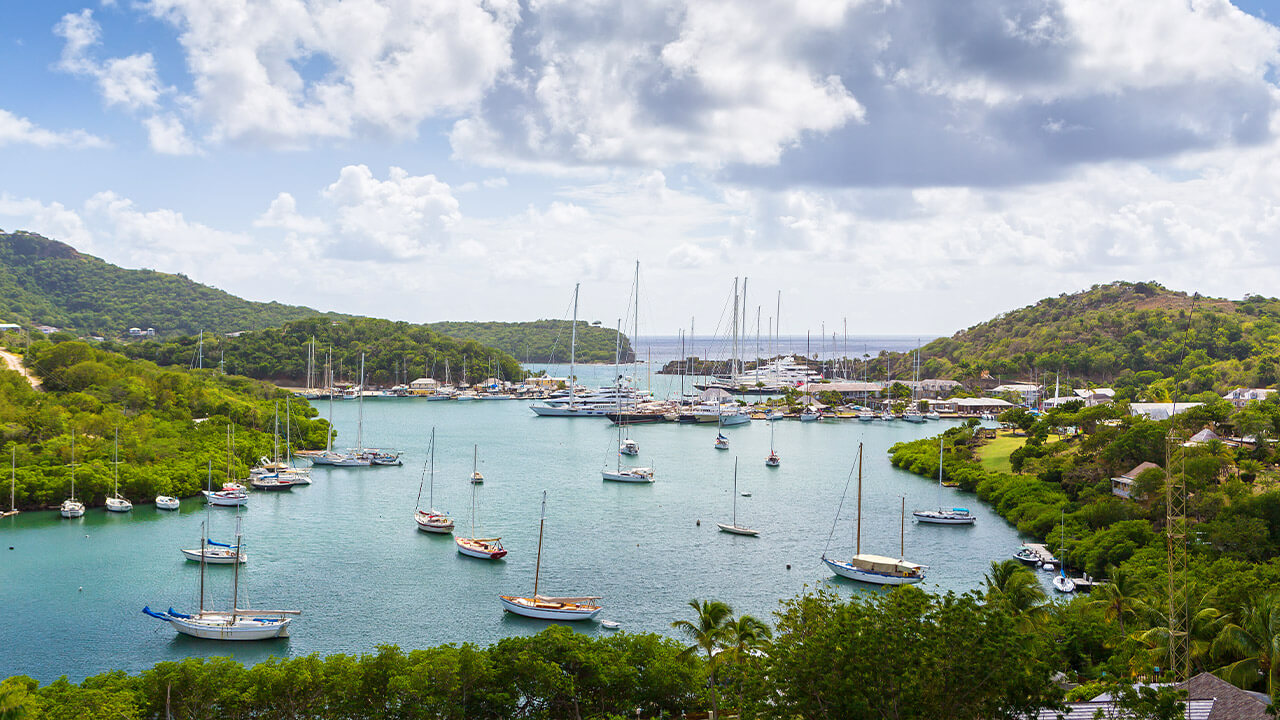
(71, 510)
(438, 524)
(1063, 584)
(569, 412)
(530, 608)
(735, 530)
(164, 502)
(118, 505)
(241, 629)
(847, 570)
(475, 549)
(626, 477)
(225, 500)
(216, 557)
(937, 518)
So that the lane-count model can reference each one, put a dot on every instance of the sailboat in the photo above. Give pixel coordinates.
(733, 527)
(549, 608)
(115, 503)
(773, 460)
(944, 516)
(231, 624)
(214, 553)
(1061, 582)
(875, 569)
(231, 494)
(476, 547)
(476, 476)
(72, 508)
(631, 474)
(13, 482)
(429, 520)
(912, 414)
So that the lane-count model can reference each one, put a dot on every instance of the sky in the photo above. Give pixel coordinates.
(902, 166)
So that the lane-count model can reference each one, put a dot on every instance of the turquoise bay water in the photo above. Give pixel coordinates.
(347, 553)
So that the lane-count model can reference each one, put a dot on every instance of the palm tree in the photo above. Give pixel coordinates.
(744, 637)
(1118, 598)
(1015, 588)
(707, 633)
(1205, 622)
(1255, 638)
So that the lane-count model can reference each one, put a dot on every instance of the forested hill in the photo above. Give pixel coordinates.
(395, 352)
(47, 282)
(1120, 329)
(541, 341)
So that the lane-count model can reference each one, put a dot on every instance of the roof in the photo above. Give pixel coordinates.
(1160, 411)
(1090, 709)
(1017, 387)
(1229, 701)
(1134, 473)
(1204, 435)
(982, 402)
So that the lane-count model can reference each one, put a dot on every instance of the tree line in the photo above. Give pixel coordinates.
(394, 353)
(890, 655)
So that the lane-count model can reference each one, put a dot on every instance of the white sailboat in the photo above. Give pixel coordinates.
(214, 553)
(234, 623)
(1061, 582)
(115, 503)
(549, 608)
(944, 516)
(72, 508)
(627, 475)
(733, 527)
(429, 520)
(476, 476)
(231, 494)
(477, 547)
(874, 569)
(13, 482)
(773, 460)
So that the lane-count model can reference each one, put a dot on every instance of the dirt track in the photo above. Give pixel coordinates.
(13, 362)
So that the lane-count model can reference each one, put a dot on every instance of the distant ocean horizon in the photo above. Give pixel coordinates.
(661, 349)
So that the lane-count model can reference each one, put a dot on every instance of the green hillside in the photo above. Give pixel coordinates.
(47, 282)
(171, 422)
(541, 341)
(1130, 333)
(395, 352)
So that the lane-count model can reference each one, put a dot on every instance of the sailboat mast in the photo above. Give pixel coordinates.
(573, 350)
(742, 328)
(235, 583)
(328, 436)
(73, 464)
(777, 337)
(858, 532)
(733, 347)
(13, 475)
(204, 534)
(537, 566)
(940, 441)
(431, 464)
(115, 464)
(360, 409)
(275, 435)
(735, 492)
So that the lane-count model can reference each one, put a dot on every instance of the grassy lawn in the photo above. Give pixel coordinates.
(994, 455)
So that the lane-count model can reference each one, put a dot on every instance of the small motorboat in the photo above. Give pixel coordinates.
(164, 502)
(1027, 556)
(629, 447)
(226, 498)
(609, 624)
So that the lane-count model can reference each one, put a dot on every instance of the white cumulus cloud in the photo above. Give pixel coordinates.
(16, 130)
(398, 217)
